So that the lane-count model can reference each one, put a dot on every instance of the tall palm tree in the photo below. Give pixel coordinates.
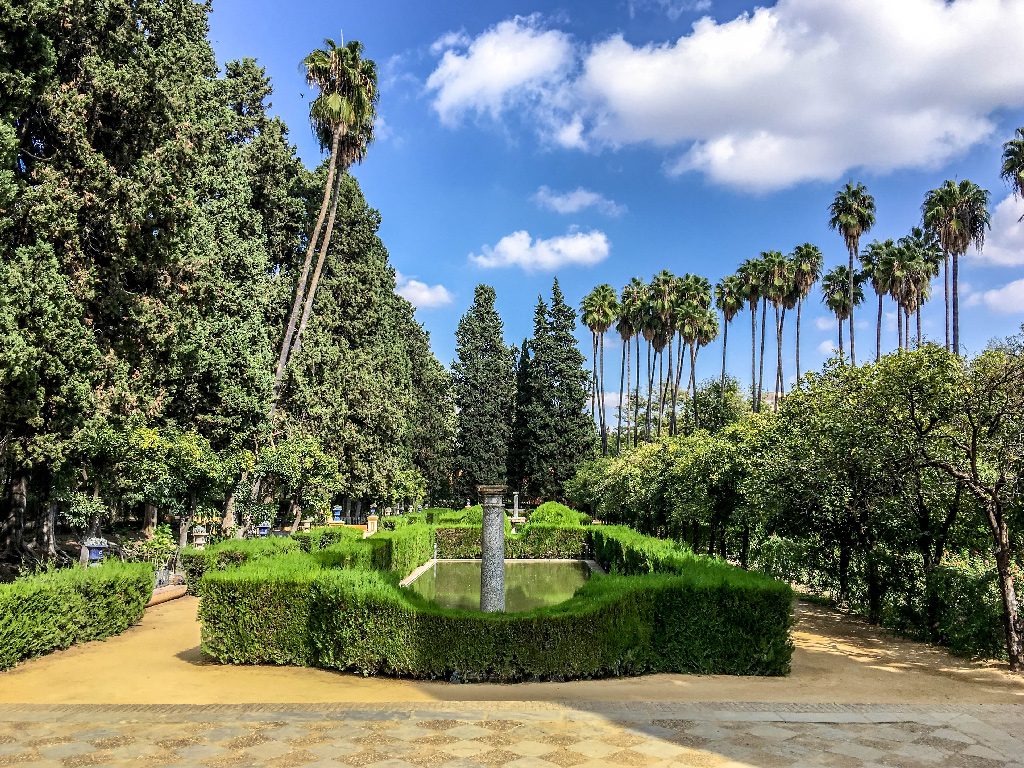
(588, 317)
(765, 289)
(627, 330)
(705, 331)
(778, 278)
(663, 290)
(603, 308)
(729, 301)
(749, 273)
(347, 98)
(1012, 170)
(693, 293)
(807, 266)
(642, 326)
(836, 292)
(852, 214)
(877, 262)
(924, 257)
(957, 213)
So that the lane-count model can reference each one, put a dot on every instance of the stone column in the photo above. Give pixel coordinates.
(492, 549)
(515, 504)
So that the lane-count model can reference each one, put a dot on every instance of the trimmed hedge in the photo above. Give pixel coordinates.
(231, 552)
(533, 542)
(325, 536)
(675, 612)
(50, 611)
(553, 513)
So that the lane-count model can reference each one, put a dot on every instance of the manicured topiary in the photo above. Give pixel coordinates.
(553, 513)
(54, 610)
(225, 554)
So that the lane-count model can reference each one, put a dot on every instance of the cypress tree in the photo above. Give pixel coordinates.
(483, 380)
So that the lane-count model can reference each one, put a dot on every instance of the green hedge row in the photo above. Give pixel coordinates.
(293, 610)
(50, 611)
(232, 552)
(554, 513)
(325, 536)
(533, 541)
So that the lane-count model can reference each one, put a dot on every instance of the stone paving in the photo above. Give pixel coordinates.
(520, 734)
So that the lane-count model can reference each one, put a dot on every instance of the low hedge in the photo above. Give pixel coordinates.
(325, 536)
(554, 513)
(54, 610)
(533, 541)
(293, 610)
(232, 552)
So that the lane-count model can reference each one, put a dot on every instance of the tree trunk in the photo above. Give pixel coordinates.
(799, 308)
(14, 518)
(300, 286)
(844, 573)
(918, 325)
(780, 319)
(725, 346)
(660, 357)
(149, 520)
(295, 512)
(956, 305)
(314, 282)
(840, 341)
(48, 531)
(593, 377)
(186, 522)
(693, 383)
(623, 374)
(1007, 589)
(678, 380)
(878, 331)
(604, 414)
(760, 374)
(853, 353)
(753, 357)
(899, 328)
(875, 590)
(636, 402)
(945, 286)
(650, 386)
(229, 521)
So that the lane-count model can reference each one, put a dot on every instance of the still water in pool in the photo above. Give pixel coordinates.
(527, 584)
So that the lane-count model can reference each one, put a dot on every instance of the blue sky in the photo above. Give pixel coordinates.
(596, 141)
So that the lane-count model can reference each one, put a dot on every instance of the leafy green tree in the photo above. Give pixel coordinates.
(957, 215)
(852, 214)
(483, 379)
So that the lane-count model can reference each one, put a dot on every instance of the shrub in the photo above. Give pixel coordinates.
(54, 610)
(230, 553)
(553, 513)
(325, 536)
(291, 610)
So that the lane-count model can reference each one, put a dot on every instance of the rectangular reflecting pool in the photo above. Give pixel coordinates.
(528, 583)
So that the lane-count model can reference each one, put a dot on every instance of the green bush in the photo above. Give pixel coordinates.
(549, 542)
(325, 536)
(54, 610)
(228, 553)
(553, 513)
(292, 610)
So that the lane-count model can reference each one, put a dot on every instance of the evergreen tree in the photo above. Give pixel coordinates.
(484, 397)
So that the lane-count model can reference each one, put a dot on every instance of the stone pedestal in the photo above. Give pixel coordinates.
(492, 549)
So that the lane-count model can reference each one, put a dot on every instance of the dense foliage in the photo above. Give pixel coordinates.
(891, 487)
(674, 613)
(55, 610)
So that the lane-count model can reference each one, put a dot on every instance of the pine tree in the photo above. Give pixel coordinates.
(482, 375)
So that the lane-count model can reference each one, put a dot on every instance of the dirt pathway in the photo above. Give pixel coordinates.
(838, 659)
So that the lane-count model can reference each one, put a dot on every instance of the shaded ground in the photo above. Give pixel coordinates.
(838, 659)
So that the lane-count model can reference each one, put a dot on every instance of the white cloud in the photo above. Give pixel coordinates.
(450, 40)
(804, 90)
(1004, 245)
(419, 294)
(827, 347)
(576, 201)
(824, 323)
(513, 62)
(520, 250)
(1008, 300)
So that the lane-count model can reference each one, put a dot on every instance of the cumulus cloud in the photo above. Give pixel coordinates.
(804, 90)
(824, 323)
(577, 200)
(419, 294)
(674, 9)
(827, 347)
(448, 40)
(521, 250)
(1004, 245)
(1008, 300)
(513, 62)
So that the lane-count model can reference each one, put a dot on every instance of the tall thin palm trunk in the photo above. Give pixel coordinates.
(661, 384)
(799, 307)
(314, 282)
(853, 354)
(778, 358)
(753, 357)
(636, 401)
(945, 286)
(956, 305)
(918, 324)
(666, 386)
(623, 378)
(300, 286)
(725, 346)
(673, 426)
(840, 341)
(760, 374)
(693, 383)
(650, 386)
(878, 331)
(604, 414)
(782, 373)
(593, 376)
(899, 326)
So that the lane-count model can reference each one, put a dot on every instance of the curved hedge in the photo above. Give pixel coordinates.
(685, 614)
(50, 611)
(231, 552)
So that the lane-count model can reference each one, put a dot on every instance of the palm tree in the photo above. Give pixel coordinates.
(957, 213)
(1012, 170)
(729, 301)
(765, 280)
(663, 289)
(877, 261)
(836, 292)
(749, 273)
(807, 265)
(627, 330)
(924, 259)
(599, 309)
(705, 331)
(778, 279)
(693, 293)
(347, 86)
(588, 318)
(642, 326)
(852, 214)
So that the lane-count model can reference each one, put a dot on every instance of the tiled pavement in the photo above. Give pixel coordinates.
(520, 734)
